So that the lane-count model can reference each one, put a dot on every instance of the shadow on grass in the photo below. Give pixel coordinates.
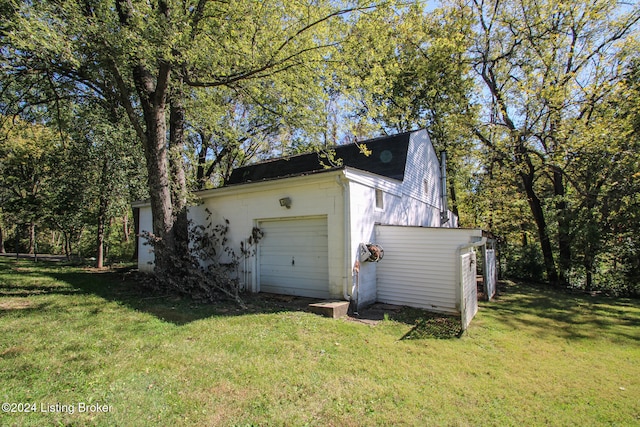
(435, 326)
(539, 309)
(20, 279)
(570, 315)
(22, 305)
(27, 290)
(425, 324)
(125, 288)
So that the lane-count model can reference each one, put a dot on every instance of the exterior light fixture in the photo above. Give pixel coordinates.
(286, 202)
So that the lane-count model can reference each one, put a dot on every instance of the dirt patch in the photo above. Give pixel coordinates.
(16, 304)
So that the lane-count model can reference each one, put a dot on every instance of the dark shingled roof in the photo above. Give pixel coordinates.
(388, 158)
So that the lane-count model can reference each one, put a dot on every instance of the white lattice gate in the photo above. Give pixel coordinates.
(469, 288)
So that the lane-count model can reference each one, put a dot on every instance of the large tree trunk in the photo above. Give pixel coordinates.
(152, 86)
(160, 190)
(176, 164)
(543, 233)
(564, 236)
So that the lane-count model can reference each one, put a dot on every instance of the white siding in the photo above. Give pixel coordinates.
(420, 266)
(422, 166)
(468, 271)
(145, 251)
(293, 257)
(406, 203)
(245, 206)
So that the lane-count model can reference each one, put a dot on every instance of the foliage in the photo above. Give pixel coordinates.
(405, 71)
(64, 180)
(27, 166)
(550, 73)
(522, 262)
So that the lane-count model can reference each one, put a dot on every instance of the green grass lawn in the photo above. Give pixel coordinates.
(76, 337)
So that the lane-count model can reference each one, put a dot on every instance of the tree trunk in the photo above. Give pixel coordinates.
(152, 91)
(102, 216)
(151, 85)
(588, 268)
(32, 237)
(176, 164)
(543, 233)
(160, 190)
(100, 244)
(201, 179)
(67, 245)
(125, 227)
(564, 237)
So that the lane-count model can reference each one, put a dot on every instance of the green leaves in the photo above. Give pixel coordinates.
(552, 72)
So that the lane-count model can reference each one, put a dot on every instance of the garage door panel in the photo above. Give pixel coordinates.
(283, 272)
(294, 257)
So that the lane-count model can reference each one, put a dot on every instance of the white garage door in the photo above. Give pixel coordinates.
(293, 257)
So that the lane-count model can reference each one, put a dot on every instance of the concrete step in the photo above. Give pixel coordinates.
(333, 309)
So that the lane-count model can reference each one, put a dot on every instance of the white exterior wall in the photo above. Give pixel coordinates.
(145, 252)
(421, 266)
(422, 170)
(469, 287)
(415, 201)
(248, 204)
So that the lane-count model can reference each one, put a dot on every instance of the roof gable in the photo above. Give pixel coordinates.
(388, 158)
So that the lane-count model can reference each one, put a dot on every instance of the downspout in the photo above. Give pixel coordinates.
(347, 233)
(461, 248)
